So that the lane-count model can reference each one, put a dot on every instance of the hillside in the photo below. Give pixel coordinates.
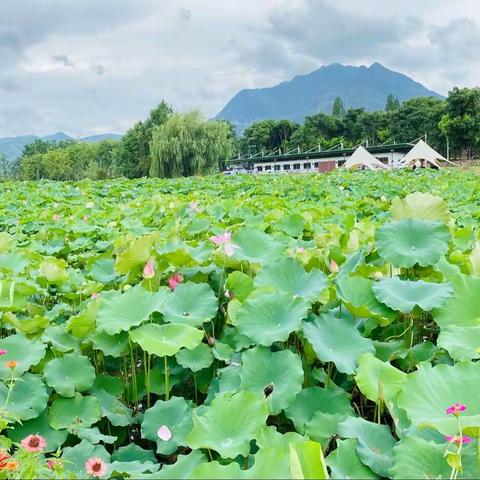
(315, 92)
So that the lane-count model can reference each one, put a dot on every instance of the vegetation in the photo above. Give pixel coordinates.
(241, 327)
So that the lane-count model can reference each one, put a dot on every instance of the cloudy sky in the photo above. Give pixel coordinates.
(94, 66)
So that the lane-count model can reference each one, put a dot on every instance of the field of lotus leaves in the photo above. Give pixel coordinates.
(319, 326)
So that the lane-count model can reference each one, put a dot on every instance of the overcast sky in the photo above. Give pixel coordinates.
(94, 66)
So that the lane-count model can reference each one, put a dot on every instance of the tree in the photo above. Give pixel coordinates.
(187, 145)
(338, 109)
(267, 135)
(4, 166)
(133, 156)
(392, 103)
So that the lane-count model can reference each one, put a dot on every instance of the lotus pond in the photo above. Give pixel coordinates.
(241, 327)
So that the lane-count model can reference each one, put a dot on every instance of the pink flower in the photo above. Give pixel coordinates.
(334, 267)
(300, 250)
(34, 443)
(174, 280)
(56, 217)
(96, 467)
(164, 433)
(224, 239)
(3, 352)
(148, 270)
(193, 206)
(95, 295)
(456, 408)
(457, 439)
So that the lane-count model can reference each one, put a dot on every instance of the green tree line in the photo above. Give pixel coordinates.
(169, 144)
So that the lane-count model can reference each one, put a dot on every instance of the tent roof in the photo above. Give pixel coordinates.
(422, 151)
(362, 157)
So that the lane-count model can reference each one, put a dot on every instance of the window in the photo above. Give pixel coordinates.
(315, 164)
(286, 166)
(383, 159)
(307, 166)
(276, 167)
(259, 169)
(296, 166)
(268, 167)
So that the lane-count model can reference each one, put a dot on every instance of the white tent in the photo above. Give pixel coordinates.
(421, 153)
(362, 158)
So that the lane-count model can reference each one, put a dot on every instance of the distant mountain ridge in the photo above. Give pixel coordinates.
(304, 95)
(12, 147)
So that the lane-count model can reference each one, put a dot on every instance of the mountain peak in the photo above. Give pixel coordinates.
(359, 87)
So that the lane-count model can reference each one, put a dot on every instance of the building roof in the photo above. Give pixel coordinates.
(422, 152)
(361, 157)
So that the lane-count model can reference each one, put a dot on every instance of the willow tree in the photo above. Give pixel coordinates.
(188, 145)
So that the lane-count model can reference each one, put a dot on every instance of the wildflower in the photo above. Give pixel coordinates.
(11, 363)
(456, 408)
(34, 443)
(148, 270)
(3, 352)
(11, 465)
(193, 206)
(457, 439)
(4, 459)
(96, 467)
(224, 239)
(174, 280)
(164, 433)
(334, 267)
(95, 295)
(300, 250)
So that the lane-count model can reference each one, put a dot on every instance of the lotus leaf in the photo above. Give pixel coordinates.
(78, 455)
(344, 462)
(74, 413)
(422, 206)
(306, 461)
(197, 359)
(215, 470)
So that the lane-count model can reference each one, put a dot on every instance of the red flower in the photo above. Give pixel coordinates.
(96, 467)
(456, 408)
(34, 443)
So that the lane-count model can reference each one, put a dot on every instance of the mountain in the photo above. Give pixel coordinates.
(366, 87)
(12, 147)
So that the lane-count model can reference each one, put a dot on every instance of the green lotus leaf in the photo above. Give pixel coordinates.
(429, 391)
(323, 426)
(27, 399)
(282, 371)
(60, 339)
(191, 304)
(113, 409)
(197, 359)
(462, 343)
(288, 275)
(255, 246)
(180, 470)
(214, 470)
(24, 351)
(40, 426)
(176, 414)
(314, 399)
(74, 413)
(306, 461)
(103, 270)
(94, 436)
(127, 469)
(375, 443)
(29, 325)
(70, 374)
(112, 385)
(337, 340)
(404, 295)
(76, 457)
(122, 311)
(166, 340)
(421, 206)
(114, 345)
(270, 317)
(13, 262)
(240, 284)
(270, 437)
(271, 463)
(415, 457)
(344, 462)
(409, 242)
(358, 295)
(84, 323)
(132, 452)
(229, 423)
(135, 256)
(53, 271)
(378, 381)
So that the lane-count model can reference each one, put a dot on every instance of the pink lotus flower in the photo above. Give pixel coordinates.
(95, 295)
(193, 206)
(300, 250)
(56, 218)
(457, 439)
(148, 270)
(96, 467)
(334, 267)
(3, 352)
(456, 408)
(34, 443)
(175, 280)
(224, 239)
(164, 433)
